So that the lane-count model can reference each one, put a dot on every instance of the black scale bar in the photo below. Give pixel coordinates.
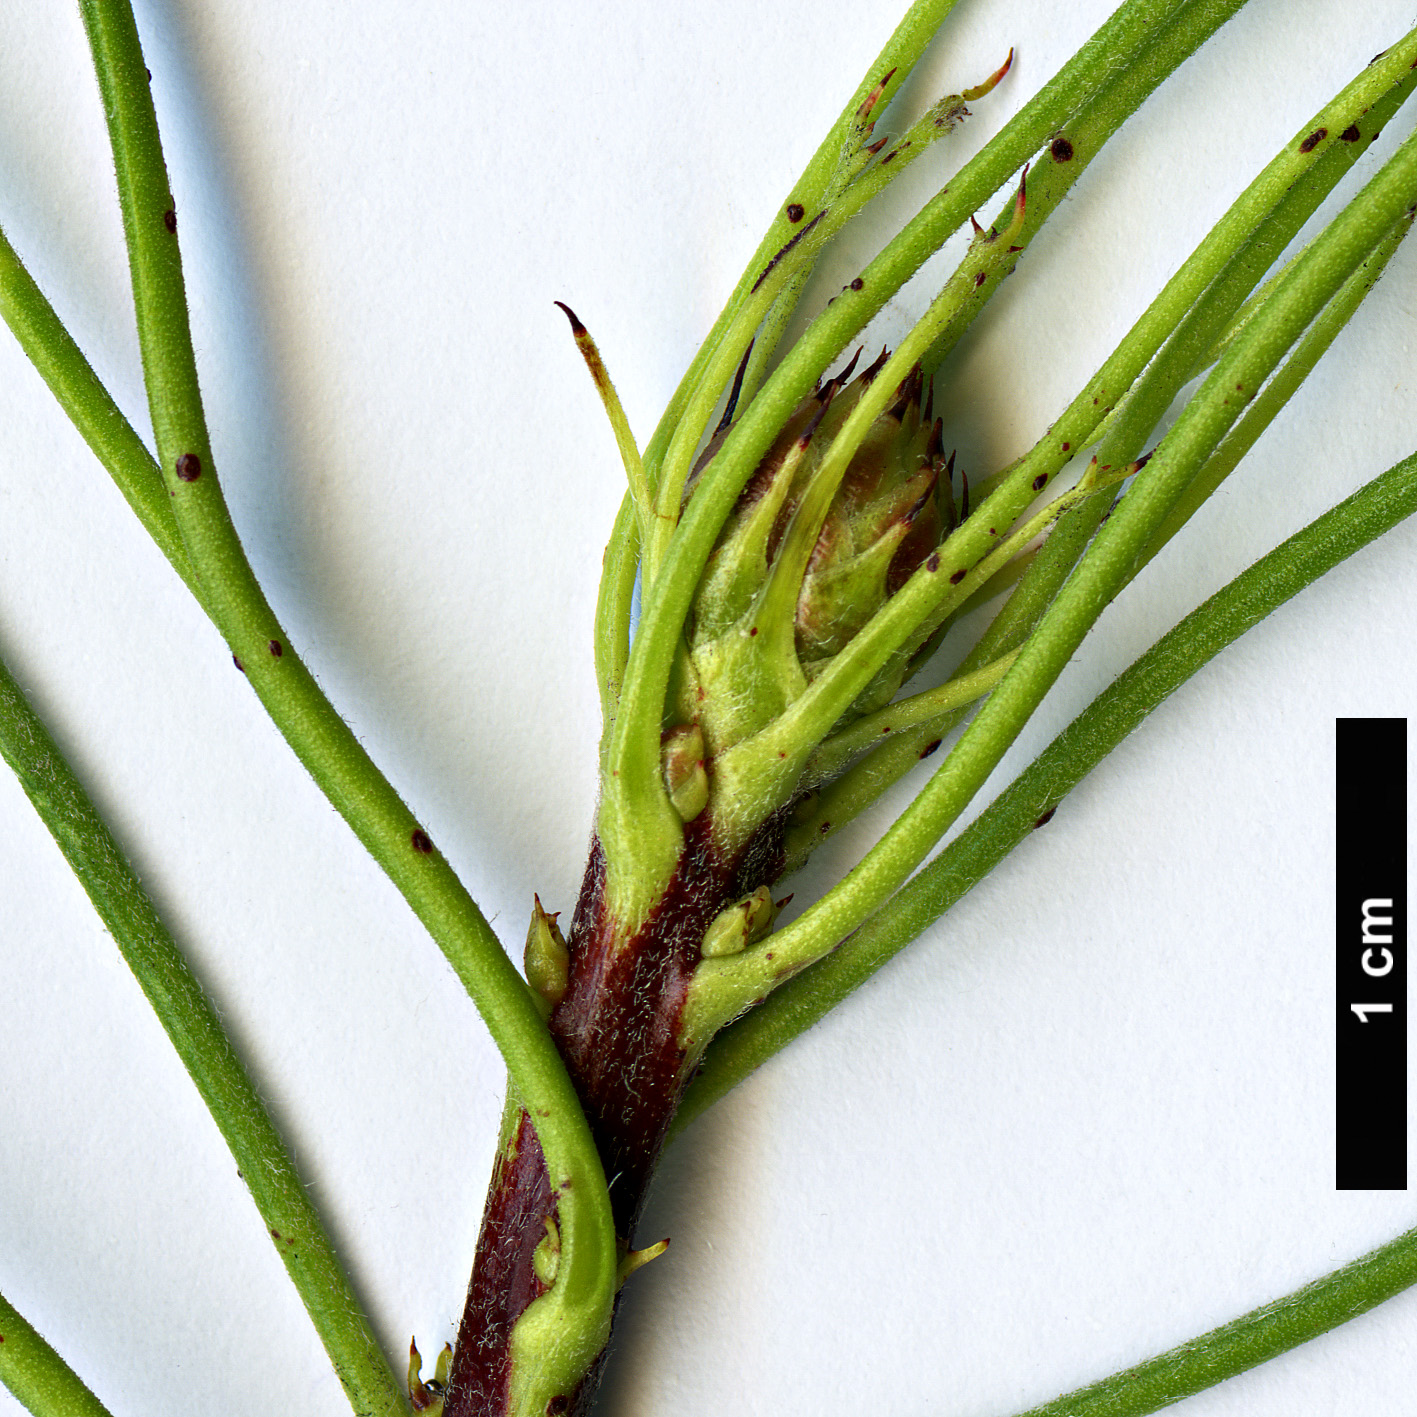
(1370, 954)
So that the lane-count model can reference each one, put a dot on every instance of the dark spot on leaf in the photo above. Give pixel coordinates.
(1313, 140)
(169, 220)
(957, 576)
(857, 283)
(1045, 818)
(188, 467)
(1062, 150)
(276, 648)
(1067, 447)
(752, 632)
(275, 1234)
(930, 748)
(933, 564)
(1040, 482)
(980, 279)
(796, 211)
(825, 828)
(1350, 134)
(557, 1406)
(238, 664)
(420, 842)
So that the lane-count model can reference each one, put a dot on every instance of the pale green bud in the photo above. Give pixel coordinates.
(685, 777)
(741, 925)
(547, 960)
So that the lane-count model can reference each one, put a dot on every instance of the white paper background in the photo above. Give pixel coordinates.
(1087, 1117)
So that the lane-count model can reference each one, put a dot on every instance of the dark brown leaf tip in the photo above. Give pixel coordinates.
(1061, 149)
(420, 842)
(577, 329)
(1313, 140)
(188, 467)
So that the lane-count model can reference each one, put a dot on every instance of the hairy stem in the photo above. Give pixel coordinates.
(37, 1375)
(192, 1025)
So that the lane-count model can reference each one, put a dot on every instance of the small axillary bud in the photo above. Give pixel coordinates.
(741, 925)
(428, 1397)
(546, 1257)
(685, 777)
(547, 960)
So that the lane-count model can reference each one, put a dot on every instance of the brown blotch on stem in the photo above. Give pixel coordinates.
(795, 211)
(1350, 134)
(957, 576)
(1061, 149)
(930, 748)
(1040, 482)
(276, 648)
(1313, 140)
(858, 283)
(1045, 818)
(169, 220)
(420, 842)
(188, 467)
(980, 279)
(772, 264)
(238, 663)
(933, 564)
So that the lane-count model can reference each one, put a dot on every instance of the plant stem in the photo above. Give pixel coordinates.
(192, 1025)
(60, 362)
(635, 825)
(724, 988)
(1207, 324)
(37, 1375)
(1037, 791)
(1255, 1338)
(581, 1299)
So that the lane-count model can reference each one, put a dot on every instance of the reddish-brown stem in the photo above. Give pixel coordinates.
(617, 1027)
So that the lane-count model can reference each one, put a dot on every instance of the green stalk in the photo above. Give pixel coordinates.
(37, 1375)
(636, 822)
(1237, 265)
(1280, 389)
(723, 988)
(897, 58)
(60, 362)
(1037, 791)
(191, 1023)
(583, 1293)
(1260, 1335)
